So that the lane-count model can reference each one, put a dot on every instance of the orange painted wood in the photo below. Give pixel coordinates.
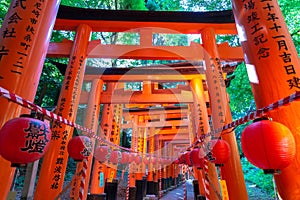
(220, 114)
(91, 119)
(151, 150)
(201, 121)
(51, 180)
(274, 71)
(104, 132)
(145, 52)
(21, 62)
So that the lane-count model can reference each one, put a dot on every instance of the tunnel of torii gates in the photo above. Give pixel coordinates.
(164, 122)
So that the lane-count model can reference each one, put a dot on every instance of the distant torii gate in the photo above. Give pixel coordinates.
(21, 62)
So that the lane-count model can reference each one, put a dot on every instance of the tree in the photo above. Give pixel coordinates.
(4, 4)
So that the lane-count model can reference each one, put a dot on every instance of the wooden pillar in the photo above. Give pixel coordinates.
(202, 127)
(53, 170)
(197, 126)
(21, 61)
(151, 150)
(99, 172)
(115, 138)
(274, 72)
(91, 119)
(151, 166)
(133, 165)
(156, 165)
(232, 172)
(140, 147)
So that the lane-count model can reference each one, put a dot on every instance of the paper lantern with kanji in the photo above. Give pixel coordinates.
(268, 145)
(196, 159)
(79, 147)
(102, 153)
(24, 140)
(219, 151)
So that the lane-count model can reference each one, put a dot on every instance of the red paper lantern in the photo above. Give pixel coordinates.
(101, 153)
(79, 147)
(153, 160)
(146, 160)
(138, 159)
(115, 156)
(187, 159)
(268, 145)
(160, 160)
(24, 140)
(176, 162)
(219, 151)
(131, 157)
(124, 158)
(181, 159)
(195, 158)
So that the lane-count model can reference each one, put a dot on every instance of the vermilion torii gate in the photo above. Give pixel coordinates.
(265, 41)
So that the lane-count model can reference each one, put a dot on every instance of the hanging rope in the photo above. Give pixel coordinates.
(184, 182)
(160, 184)
(128, 182)
(206, 182)
(253, 115)
(83, 178)
(258, 113)
(213, 187)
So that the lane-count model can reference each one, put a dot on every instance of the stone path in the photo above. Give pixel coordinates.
(177, 194)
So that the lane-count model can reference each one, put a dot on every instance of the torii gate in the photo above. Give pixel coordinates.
(21, 62)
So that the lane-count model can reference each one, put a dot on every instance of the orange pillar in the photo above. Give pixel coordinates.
(53, 170)
(197, 127)
(140, 147)
(115, 138)
(274, 72)
(100, 170)
(133, 165)
(90, 121)
(151, 152)
(23, 47)
(202, 126)
(232, 171)
(156, 165)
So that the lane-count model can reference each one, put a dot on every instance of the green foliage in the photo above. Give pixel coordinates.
(49, 85)
(201, 5)
(291, 12)
(256, 176)
(107, 4)
(4, 5)
(240, 93)
(133, 5)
